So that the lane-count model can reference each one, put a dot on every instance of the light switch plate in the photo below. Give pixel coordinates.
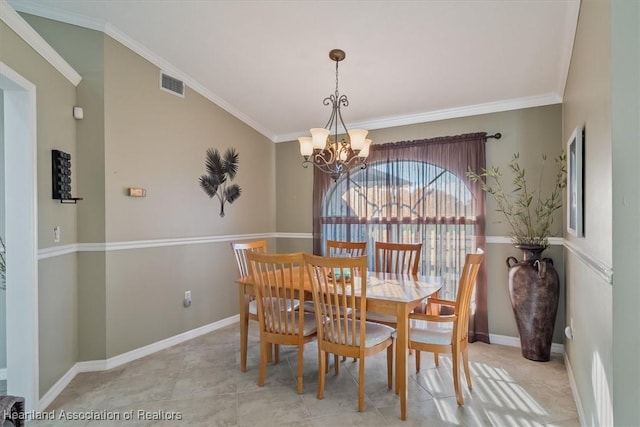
(137, 192)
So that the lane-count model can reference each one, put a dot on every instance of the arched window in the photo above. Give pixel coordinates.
(405, 201)
(410, 192)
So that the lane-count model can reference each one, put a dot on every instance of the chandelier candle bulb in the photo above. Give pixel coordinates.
(356, 137)
(365, 150)
(344, 154)
(306, 146)
(319, 137)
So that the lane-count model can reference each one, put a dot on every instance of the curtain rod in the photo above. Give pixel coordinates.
(497, 135)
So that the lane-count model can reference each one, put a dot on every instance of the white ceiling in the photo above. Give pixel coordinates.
(267, 63)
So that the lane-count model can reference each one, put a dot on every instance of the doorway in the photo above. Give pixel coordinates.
(18, 134)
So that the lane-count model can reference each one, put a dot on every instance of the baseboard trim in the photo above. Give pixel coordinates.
(57, 388)
(130, 356)
(574, 390)
(515, 342)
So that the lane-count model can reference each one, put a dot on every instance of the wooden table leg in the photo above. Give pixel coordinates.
(243, 305)
(402, 343)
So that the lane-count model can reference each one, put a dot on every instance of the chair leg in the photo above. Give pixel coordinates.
(361, 385)
(322, 369)
(276, 353)
(336, 364)
(390, 351)
(465, 361)
(263, 362)
(300, 367)
(417, 360)
(436, 359)
(326, 363)
(270, 353)
(455, 360)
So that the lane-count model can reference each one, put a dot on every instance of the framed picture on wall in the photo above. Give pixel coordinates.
(575, 175)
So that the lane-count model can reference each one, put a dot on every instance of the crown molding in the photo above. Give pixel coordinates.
(166, 66)
(447, 113)
(44, 10)
(570, 34)
(10, 17)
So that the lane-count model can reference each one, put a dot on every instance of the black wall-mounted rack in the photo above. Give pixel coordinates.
(61, 177)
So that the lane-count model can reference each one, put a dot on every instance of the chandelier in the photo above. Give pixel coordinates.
(325, 151)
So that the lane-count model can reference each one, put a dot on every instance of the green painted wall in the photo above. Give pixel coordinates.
(625, 127)
(55, 97)
(3, 295)
(84, 50)
(587, 102)
(136, 135)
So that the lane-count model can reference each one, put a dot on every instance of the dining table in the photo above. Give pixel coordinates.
(386, 293)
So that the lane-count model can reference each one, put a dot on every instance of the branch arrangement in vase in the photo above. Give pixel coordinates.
(526, 210)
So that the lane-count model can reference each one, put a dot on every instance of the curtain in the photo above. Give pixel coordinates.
(413, 191)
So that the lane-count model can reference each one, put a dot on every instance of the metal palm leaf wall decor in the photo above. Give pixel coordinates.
(220, 171)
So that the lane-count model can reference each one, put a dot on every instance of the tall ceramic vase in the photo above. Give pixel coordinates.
(534, 289)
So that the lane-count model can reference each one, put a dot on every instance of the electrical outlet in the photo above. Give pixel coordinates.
(572, 328)
(187, 299)
(56, 234)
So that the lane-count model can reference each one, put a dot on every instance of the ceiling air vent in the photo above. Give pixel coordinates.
(171, 84)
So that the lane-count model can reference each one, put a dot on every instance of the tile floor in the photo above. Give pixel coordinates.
(200, 380)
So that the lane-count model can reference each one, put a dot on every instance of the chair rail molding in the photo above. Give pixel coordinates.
(603, 270)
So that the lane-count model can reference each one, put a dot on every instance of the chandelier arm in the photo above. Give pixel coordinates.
(332, 117)
(345, 103)
(319, 163)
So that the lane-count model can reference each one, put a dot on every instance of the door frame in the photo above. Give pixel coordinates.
(21, 216)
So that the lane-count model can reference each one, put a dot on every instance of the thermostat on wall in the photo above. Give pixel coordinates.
(137, 192)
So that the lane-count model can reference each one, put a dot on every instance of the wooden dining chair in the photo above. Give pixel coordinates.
(399, 258)
(279, 283)
(343, 248)
(240, 250)
(448, 333)
(335, 283)
(338, 248)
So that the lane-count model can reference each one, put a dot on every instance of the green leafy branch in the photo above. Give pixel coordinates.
(530, 221)
(221, 170)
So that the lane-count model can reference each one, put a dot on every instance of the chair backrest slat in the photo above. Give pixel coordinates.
(465, 291)
(240, 250)
(399, 258)
(279, 283)
(339, 293)
(341, 248)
